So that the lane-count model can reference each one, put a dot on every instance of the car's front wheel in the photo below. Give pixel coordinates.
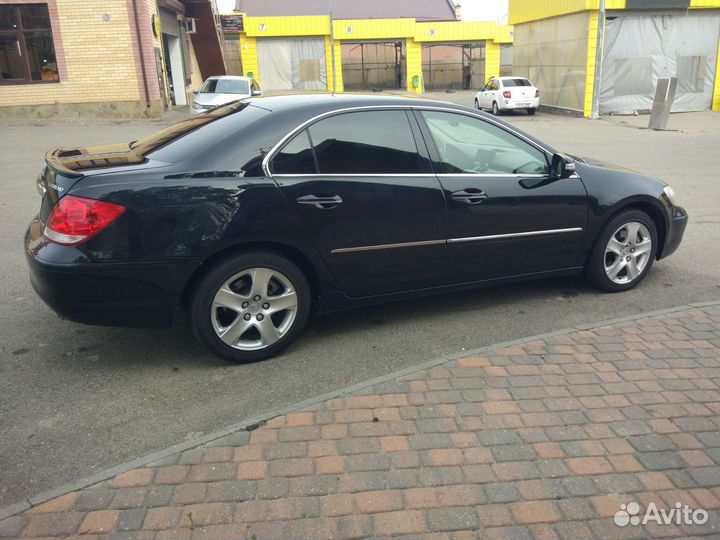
(477, 104)
(251, 306)
(623, 252)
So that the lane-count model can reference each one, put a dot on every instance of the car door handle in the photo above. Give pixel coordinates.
(324, 203)
(474, 197)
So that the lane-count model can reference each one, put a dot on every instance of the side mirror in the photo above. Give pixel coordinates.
(561, 166)
(256, 93)
(195, 92)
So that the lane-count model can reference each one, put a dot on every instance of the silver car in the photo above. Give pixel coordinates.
(223, 89)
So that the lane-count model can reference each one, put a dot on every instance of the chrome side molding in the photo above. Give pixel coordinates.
(457, 240)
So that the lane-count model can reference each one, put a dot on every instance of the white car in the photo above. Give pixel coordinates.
(508, 93)
(223, 89)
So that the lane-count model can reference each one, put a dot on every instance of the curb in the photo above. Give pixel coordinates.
(259, 420)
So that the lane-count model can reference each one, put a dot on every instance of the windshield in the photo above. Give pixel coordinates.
(225, 86)
(516, 82)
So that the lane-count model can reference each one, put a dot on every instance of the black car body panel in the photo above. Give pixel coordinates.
(199, 191)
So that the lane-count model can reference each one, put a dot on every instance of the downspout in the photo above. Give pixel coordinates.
(141, 54)
(595, 113)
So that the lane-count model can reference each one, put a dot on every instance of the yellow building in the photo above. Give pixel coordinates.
(605, 56)
(105, 58)
(295, 52)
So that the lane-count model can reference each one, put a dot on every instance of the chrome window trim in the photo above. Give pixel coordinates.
(271, 153)
(361, 175)
(513, 235)
(456, 240)
(389, 246)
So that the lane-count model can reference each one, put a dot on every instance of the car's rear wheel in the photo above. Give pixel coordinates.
(531, 111)
(251, 306)
(623, 252)
(495, 109)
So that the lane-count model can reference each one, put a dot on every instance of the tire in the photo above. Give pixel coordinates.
(247, 324)
(477, 105)
(531, 111)
(615, 254)
(495, 109)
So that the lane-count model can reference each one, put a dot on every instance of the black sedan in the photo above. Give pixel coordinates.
(254, 215)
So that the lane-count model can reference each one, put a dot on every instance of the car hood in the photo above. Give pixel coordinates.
(604, 164)
(218, 99)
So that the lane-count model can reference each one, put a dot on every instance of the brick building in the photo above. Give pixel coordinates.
(103, 58)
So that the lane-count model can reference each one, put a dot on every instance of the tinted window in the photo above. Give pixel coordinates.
(225, 86)
(372, 142)
(470, 145)
(295, 157)
(515, 82)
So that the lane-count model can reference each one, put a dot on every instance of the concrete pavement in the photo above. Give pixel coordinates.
(75, 400)
(558, 437)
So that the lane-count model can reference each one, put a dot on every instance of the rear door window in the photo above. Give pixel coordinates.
(367, 142)
(296, 157)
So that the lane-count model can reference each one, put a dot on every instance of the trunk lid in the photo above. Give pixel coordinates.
(64, 167)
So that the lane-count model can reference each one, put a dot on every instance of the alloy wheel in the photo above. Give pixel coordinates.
(627, 253)
(254, 309)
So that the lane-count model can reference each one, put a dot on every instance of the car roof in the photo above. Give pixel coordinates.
(230, 77)
(342, 101)
(505, 77)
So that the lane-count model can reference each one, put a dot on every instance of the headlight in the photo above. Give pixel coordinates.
(670, 194)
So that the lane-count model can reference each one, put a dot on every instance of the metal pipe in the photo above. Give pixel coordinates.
(595, 113)
(142, 56)
(332, 47)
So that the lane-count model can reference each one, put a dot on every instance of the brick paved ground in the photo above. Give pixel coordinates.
(541, 440)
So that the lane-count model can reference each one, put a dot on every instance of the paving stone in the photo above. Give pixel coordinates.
(94, 499)
(452, 519)
(513, 452)
(660, 461)
(12, 526)
(131, 520)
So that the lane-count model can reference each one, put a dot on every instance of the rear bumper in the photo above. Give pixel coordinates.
(103, 293)
(676, 230)
(533, 103)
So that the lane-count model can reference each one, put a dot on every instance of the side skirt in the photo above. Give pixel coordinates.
(339, 301)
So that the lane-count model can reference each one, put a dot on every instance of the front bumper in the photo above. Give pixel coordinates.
(130, 294)
(676, 230)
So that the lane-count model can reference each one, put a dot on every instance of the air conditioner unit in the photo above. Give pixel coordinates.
(191, 25)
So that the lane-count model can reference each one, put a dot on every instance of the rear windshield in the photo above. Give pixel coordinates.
(225, 86)
(516, 82)
(156, 140)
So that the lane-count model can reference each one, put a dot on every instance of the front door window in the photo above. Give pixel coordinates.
(470, 145)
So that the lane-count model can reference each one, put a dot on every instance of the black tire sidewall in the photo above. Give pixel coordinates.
(495, 108)
(595, 267)
(223, 270)
(531, 111)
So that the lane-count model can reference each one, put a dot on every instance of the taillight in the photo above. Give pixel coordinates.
(506, 94)
(537, 93)
(74, 220)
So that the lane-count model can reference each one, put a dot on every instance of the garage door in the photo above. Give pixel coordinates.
(292, 64)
